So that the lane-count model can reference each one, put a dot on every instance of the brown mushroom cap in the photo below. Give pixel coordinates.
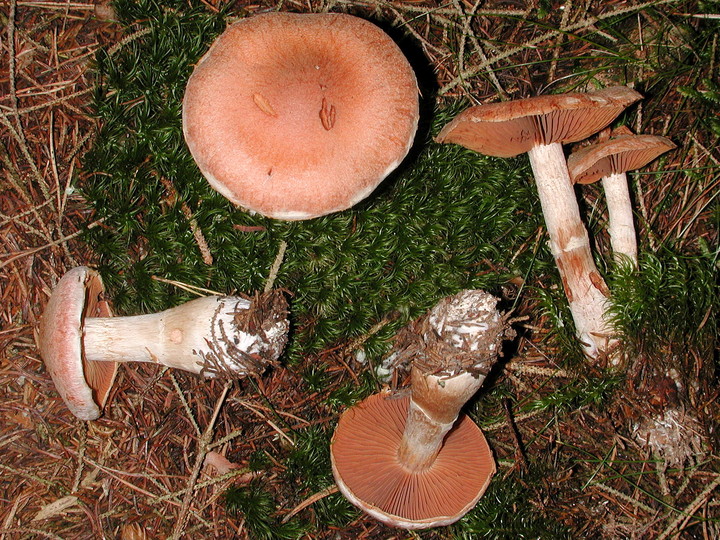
(364, 454)
(614, 156)
(84, 386)
(511, 128)
(295, 116)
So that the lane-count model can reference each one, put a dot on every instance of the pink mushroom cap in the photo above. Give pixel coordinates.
(84, 386)
(295, 116)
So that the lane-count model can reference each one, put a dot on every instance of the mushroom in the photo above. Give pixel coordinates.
(413, 462)
(81, 342)
(295, 116)
(609, 161)
(539, 126)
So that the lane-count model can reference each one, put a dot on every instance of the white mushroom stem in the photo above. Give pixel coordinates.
(620, 217)
(434, 408)
(584, 286)
(199, 336)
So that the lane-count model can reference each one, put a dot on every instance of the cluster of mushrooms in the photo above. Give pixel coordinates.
(309, 123)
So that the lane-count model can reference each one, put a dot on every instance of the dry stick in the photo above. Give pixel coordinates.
(17, 217)
(207, 483)
(518, 418)
(60, 208)
(197, 232)
(467, 31)
(188, 410)
(13, 174)
(49, 244)
(129, 39)
(626, 498)
(269, 284)
(19, 137)
(680, 522)
(310, 500)
(45, 104)
(200, 291)
(28, 530)
(537, 370)
(519, 447)
(585, 23)
(11, 53)
(203, 444)
(561, 37)
(81, 455)
(424, 10)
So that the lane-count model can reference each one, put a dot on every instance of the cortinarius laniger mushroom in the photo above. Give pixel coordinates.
(81, 342)
(539, 126)
(412, 462)
(296, 116)
(608, 161)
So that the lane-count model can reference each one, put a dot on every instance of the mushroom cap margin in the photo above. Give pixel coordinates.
(511, 128)
(614, 156)
(368, 473)
(83, 388)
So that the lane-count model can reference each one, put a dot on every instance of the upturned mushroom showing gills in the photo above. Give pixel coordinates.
(295, 116)
(608, 161)
(414, 462)
(539, 126)
(81, 342)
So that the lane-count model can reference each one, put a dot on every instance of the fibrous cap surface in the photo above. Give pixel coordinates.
(295, 116)
(511, 128)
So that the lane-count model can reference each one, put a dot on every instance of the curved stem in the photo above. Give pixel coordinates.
(434, 407)
(585, 288)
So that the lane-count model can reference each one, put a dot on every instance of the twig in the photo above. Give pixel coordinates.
(519, 448)
(626, 498)
(49, 244)
(186, 406)
(536, 370)
(81, 456)
(203, 444)
(187, 287)
(194, 227)
(270, 283)
(207, 483)
(682, 519)
(518, 418)
(310, 500)
(585, 23)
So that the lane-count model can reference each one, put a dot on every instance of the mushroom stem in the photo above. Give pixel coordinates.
(434, 408)
(200, 336)
(620, 217)
(585, 288)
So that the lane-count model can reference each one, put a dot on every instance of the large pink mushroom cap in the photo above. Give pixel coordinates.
(295, 116)
(84, 386)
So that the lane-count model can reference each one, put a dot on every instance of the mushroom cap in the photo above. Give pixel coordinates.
(365, 464)
(84, 386)
(614, 156)
(295, 116)
(511, 128)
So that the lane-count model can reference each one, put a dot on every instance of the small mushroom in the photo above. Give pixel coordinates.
(539, 126)
(609, 161)
(295, 116)
(414, 462)
(81, 342)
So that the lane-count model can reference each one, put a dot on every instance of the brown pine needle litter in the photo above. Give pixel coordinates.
(138, 471)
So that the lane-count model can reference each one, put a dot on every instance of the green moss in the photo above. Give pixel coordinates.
(448, 219)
